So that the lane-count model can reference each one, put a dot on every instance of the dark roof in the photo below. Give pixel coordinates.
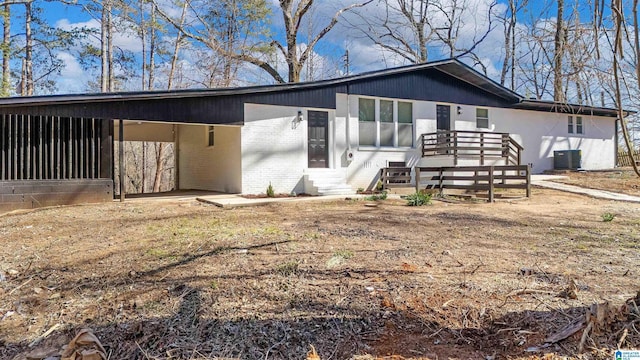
(276, 94)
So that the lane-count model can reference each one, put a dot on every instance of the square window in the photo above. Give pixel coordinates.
(570, 125)
(579, 128)
(482, 118)
(210, 136)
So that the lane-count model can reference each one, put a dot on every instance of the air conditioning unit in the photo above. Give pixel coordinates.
(567, 159)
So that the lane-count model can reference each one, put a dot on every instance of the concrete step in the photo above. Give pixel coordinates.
(336, 191)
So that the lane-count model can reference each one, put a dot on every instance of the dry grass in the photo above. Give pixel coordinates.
(184, 280)
(622, 180)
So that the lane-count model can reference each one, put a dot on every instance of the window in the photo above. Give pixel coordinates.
(482, 118)
(385, 123)
(210, 136)
(579, 125)
(405, 124)
(367, 121)
(387, 127)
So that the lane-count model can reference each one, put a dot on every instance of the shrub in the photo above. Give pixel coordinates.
(376, 197)
(288, 269)
(270, 192)
(418, 199)
(360, 190)
(608, 217)
(379, 185)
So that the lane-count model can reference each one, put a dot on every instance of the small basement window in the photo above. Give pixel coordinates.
(482, 118)
(210, 135)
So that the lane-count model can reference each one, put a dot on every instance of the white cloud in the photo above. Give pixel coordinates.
(123, 39)
(72, 78)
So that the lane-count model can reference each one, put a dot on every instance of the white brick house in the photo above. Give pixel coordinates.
(333, 136)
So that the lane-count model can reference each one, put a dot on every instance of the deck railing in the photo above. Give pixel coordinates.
(475, 178)
(399, 176)
(472, 144)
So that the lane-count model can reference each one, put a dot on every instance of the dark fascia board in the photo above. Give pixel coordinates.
(451, 67)
(551, 106)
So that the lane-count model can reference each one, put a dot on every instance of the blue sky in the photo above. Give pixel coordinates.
(364, 55)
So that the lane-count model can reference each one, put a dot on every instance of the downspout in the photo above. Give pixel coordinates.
(616, 146)
(347, 131)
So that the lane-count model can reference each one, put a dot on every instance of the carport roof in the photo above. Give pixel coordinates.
(227, 105)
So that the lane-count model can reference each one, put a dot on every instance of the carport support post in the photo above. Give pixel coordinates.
(121, 157)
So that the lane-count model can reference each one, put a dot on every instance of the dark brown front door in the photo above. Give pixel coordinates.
(443, 123)
(318, 139)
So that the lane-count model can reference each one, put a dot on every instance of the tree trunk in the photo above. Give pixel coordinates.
(174, 58)
(152, 47)
(110, 80)
(143, 40)
(104, 56)
(6, 52)
(28, 48)
(157, 181)
(617, 10)
(558, 93)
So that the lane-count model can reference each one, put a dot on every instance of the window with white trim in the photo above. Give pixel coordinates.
(576, 127)
(385, 123)
(482, 118)
(210, 135)
(367, 121)
(579, 128)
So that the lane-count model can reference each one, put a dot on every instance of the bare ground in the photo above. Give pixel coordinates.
(165, 280)
(622, 180)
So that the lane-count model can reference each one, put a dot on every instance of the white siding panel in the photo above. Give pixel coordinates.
(215, 168)
(540, 133)
(274, 149)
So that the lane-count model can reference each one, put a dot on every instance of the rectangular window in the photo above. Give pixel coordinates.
(385, 123)
(367, 121)
(482, 118)
(570, 125)
(579, 128)
(405, 124)
(210, 136)
(387, 128)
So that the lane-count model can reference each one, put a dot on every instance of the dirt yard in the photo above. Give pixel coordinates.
(622, 180)
(169, 280)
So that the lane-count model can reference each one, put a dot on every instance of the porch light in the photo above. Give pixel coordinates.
(300, 118)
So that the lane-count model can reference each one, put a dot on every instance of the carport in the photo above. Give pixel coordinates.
(60, 149)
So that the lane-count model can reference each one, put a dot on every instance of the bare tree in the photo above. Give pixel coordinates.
(6, 51)
(510, 21)
(619, 24)
(558, 93)
(251, 49)
(411, 29)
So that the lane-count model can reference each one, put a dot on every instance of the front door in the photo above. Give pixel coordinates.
(443, 123)
(318, 139)
(443, 117)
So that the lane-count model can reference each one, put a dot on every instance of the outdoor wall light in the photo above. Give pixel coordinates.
(300, 117)
(459, 110)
